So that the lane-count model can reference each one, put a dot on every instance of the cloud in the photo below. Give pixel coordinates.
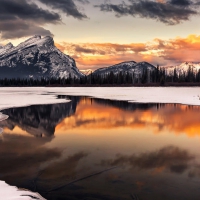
(63, 169)
(66, 6)
(133, 116)
(83, 1)
(162, 52)
(170, 12)
(179, 49)
(169, 158)
(181, 2)
(95, 55)
(25, 157)
(21, 18)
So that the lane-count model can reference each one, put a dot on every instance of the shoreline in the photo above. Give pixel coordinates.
(20, 97)
(167, 84)
(8, 192)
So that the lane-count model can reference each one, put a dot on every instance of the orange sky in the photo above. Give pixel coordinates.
(98, 33)
(158, 51)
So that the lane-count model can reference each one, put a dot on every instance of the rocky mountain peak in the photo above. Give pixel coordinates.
(8, 46)
(36, 57)
(126, 67)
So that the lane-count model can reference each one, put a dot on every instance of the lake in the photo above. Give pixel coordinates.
(93, 148)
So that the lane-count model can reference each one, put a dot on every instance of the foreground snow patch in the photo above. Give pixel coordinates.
(8, 192)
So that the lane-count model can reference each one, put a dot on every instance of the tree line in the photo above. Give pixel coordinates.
(158, 76)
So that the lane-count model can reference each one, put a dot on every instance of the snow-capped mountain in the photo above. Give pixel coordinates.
(183, 68)
(130, 67)
(86, 71)
(35, 58)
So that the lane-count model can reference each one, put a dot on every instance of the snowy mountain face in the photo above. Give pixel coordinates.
(35, 58)
(124, 67)
(183, 68)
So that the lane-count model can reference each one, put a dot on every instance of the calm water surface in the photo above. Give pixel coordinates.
(102, 149)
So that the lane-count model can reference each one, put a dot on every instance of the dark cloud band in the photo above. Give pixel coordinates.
(66, 6)
(170, 12)
(22, 18)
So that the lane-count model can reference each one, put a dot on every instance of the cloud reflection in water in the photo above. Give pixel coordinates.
(153, 145)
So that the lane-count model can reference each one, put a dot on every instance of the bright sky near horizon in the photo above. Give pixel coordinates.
(99, 33)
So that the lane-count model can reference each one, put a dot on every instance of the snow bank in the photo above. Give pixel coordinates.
(181, 95)
(17, 97)
(8, 192)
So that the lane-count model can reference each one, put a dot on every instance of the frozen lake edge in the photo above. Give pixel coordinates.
(20, 97)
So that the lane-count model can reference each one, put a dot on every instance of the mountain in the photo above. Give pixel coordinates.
(86, 71)
(183, 68)
(35, 58)
(130, 67)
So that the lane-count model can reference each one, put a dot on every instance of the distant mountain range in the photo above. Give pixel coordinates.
(35, 58)
(183, 68)
(38, 57)
(130, 67)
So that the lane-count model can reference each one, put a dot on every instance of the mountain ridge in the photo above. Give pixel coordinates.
(127, 66)
(36, 57)
(183, 67)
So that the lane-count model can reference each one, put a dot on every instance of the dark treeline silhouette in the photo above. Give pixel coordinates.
(157, 77)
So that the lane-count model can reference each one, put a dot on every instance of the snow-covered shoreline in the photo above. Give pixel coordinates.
(20, 97)
(8, 192)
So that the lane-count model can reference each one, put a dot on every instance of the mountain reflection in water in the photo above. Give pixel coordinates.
(155, 148)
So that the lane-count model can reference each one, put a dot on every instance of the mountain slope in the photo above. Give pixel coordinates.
(35, 58)
(130, 67)
(183, 68)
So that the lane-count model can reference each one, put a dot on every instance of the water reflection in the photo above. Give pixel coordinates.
(154, 147)
(39, 120)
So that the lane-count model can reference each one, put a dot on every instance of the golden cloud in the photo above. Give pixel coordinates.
(162, 52)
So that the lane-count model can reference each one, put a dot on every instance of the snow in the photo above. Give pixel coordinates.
(185, 95)
(183, 67)
(37, 52)
(130, 66)
(18, 97)
(8, 192)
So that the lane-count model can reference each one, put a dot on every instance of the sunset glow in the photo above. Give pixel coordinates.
(97, 34)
